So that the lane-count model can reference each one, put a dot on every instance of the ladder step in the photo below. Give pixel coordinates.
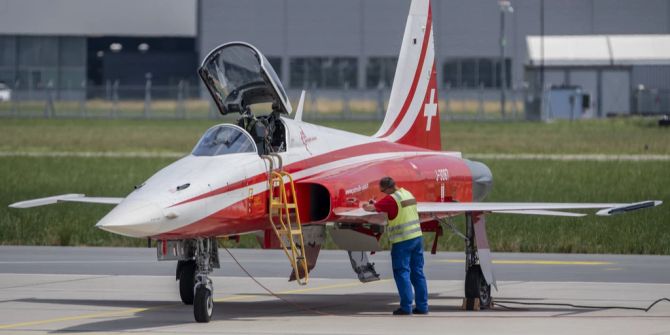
(282, 205)
(291, 232)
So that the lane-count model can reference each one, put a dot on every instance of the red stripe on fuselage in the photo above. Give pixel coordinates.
(237, 218)
(358, 150)
(417, 76)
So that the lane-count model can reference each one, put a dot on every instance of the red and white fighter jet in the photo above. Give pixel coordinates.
(291, 182)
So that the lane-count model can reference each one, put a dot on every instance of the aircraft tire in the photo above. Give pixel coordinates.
(203, 304)
(476, 286)
(187, 281)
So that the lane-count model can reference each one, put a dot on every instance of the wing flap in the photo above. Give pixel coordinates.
(541, 212)
(72, 197)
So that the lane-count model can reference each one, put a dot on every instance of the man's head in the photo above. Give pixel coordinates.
(387, 185)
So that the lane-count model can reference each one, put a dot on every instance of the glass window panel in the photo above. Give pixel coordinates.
(72, 51)
(485, 72)
(72, 78)
(469, 73)
(323, 72)
(331, 73)
(380, 72)
(7, 51)
(451, 73)
(38, 51)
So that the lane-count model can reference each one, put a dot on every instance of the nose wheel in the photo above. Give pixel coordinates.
(203, 303)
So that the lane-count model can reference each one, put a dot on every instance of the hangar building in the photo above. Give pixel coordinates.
(320, 45)
(327, 44)
(65, 44)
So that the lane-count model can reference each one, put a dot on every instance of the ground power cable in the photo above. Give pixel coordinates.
(276, 295)
(494, 302)
(647, 309)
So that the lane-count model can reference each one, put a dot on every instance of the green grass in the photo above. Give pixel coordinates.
(643, 232)
(611, 136)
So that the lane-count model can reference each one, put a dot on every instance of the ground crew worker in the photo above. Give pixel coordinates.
(404, 233)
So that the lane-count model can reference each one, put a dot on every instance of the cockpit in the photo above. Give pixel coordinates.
(238, 76)
(222, 140)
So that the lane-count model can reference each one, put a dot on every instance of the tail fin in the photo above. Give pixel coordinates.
(412, 116)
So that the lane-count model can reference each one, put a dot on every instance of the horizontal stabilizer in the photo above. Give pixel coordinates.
(66, 198)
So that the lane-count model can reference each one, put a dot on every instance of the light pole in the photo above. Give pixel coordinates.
(505, 7)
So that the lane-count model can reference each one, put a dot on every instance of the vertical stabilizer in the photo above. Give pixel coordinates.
(413, 116)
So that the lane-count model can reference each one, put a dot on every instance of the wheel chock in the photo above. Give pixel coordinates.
(470, 304)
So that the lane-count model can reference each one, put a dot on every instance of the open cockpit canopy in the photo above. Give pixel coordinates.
(237, 75)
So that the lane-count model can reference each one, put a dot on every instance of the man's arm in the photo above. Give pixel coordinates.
(386, 205)
(369, 207)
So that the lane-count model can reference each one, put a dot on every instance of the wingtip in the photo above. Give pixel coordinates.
(629, 207)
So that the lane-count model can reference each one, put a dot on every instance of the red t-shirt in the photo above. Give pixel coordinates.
(387, 205)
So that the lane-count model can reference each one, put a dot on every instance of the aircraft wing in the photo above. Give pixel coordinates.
(66, 198)
(527, 208)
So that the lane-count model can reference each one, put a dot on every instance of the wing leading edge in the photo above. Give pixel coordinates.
(66, 198)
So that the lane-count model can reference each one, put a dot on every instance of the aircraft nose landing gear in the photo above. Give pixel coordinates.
(206, 254)
(196, 259)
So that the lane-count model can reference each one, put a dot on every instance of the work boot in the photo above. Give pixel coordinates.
(416, 311)
(401, 311)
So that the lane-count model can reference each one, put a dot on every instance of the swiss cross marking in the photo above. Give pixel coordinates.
(430, 109)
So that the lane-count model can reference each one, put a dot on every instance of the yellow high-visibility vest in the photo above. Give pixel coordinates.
(406, 225)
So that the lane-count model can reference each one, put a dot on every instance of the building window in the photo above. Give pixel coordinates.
(464, 73)
(323, 72)
(380, 71)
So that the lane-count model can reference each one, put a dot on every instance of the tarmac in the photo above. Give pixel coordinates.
(124, 290)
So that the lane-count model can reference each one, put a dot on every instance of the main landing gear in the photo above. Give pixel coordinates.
(477, 261)
(477, 290)
(196, 260)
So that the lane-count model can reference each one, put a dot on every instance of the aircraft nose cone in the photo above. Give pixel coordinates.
(482, 179)
(133, 218)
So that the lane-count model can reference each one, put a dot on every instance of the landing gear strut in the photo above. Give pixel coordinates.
(476, 287)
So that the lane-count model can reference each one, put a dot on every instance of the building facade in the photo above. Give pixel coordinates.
(65, 46)
(354, 43)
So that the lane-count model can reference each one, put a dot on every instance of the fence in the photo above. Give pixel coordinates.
(185, 101)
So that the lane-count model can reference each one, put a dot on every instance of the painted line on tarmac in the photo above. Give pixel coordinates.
(131, 311)
(573, 157)
(533, 262)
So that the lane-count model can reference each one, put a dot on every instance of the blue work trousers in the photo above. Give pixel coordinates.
(407, 261)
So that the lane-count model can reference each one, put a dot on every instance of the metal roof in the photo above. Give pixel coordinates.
(156, 18)
(600, 50)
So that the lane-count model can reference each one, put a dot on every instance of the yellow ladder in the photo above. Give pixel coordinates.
(282, 205)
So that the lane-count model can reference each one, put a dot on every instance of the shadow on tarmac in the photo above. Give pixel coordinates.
(165, 314)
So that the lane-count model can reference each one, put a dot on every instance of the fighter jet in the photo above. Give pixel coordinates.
(291, 182)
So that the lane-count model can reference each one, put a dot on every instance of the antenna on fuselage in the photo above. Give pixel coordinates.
(301, 104)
